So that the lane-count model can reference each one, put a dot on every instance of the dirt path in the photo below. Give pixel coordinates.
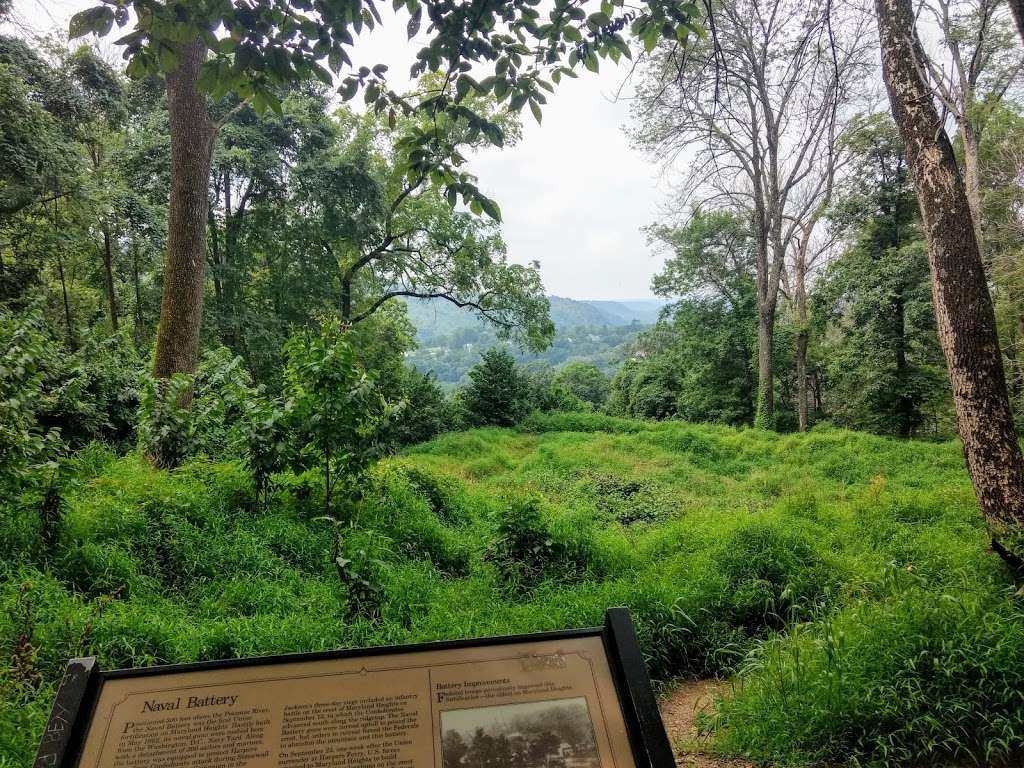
(679, 710)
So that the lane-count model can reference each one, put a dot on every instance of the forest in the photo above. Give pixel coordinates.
(230, 426)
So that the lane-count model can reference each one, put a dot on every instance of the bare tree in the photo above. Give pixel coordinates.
(963, 306)
(758, 102)
(984, 60)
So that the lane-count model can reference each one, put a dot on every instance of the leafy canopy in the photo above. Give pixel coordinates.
(502, 47)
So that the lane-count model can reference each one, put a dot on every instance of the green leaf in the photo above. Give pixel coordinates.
(414, 22)
(491, 208)
(167, 59)
(494, 134)
(273, 102)
(137, 68)
(535, 108)
(650, 38)
(322, 74)
(349, 89)
(98, 21)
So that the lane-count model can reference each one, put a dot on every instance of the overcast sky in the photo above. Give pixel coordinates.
(573, 194)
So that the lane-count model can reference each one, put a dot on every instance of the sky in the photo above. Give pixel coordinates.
(574, 195)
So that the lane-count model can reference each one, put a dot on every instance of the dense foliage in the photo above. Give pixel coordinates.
(844, 577)
(242, 444)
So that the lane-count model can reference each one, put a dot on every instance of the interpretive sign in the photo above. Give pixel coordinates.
(573, 699)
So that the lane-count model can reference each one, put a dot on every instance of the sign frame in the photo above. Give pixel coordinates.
(79, 690)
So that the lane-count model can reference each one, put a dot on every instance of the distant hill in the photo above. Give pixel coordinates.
(643, 311)
(436, 318)
(451, 339)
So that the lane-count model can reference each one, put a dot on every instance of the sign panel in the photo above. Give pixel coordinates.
(552, 700)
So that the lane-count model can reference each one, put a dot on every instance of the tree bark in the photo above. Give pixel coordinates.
(764, 413)
(192, 136)
(1017, 7)
(972, 178)
(765, 416)
(108, 278)
(963, 306)
(801, 340)
(346, 298)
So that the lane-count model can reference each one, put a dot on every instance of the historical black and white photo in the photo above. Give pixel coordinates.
(541, 734)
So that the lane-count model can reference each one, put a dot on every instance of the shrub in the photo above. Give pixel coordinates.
(205, 413)
(426, 412)
(333, 410)
(774, 574)
(919, 678)
(527, 551)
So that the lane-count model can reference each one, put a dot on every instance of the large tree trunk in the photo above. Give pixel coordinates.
(346, 298)
(192, 135)
(963, 306)
(1017, 7)
(764, 413)
(108, 278)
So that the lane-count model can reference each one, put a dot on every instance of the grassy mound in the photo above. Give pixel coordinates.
(844, 577)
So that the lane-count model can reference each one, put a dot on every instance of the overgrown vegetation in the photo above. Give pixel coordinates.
(212, 443)
(845, 578)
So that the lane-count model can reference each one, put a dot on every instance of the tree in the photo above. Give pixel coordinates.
(873, 306)
(963, 306)
(497, 393)
(101, 92)
(545, 391)
(1002, 165)
(251, 49)
(453, 749)
(40, 110)
(759, 99)
(984, 61)
(393, 236)
(334, 411)
(586, 381)
(708, 336)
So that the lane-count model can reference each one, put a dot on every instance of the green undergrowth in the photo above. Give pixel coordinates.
(843, 579)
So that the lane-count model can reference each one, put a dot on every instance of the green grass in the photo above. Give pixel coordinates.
(843, 578)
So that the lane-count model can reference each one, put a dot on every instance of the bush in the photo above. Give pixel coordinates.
(919, 678)
(774, 574)
(426, 412)
(527, 551)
